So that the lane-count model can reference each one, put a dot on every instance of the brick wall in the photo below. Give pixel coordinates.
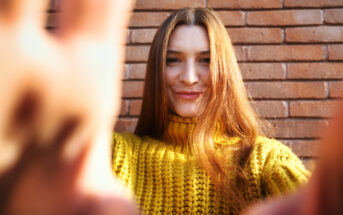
(290, 53)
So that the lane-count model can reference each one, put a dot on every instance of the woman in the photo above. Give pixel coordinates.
(198, 146)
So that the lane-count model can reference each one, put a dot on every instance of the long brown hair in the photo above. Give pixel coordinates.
(227, 102)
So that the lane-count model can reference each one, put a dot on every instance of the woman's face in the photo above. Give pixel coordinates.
(187, 70)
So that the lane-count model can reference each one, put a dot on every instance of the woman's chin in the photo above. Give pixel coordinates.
(187, 113)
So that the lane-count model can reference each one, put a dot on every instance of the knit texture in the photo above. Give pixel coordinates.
(166, 178)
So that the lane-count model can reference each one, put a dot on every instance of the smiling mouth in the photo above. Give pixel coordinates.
(188, 95)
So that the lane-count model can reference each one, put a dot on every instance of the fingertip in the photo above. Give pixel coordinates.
(18, 12)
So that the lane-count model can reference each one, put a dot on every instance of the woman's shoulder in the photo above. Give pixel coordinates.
(272, 155)
(125, 137)
(268, 145)
(280, 168)
(263, 146)
(133, 140)
(267, 152)
(267, 148)
(126, 141)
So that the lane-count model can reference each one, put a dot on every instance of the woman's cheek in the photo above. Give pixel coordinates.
(171, 76)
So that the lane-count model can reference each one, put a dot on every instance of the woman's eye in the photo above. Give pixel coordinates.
(171, 60)
(205, 60)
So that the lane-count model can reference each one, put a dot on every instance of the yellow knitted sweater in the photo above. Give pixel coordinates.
(166, 179)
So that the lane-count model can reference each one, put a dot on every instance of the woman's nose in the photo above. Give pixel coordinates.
(189, 75)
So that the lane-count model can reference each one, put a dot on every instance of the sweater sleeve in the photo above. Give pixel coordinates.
(123, 158)
(283, 172)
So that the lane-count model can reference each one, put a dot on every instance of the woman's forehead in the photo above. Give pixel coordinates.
(186, 38)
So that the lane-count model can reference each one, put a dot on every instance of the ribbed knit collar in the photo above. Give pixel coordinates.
(180, 130)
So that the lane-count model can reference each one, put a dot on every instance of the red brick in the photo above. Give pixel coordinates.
(240, 53)
(299, 128)
(286, 89)
(285, 17)
(304, 148)
(167, 4)
(142, 35)
(335, 52)
(244, 4)
(124, 107)
(255, 35)
(270, 109)
(133, 89)
(137, 71)
(336, 89)
(135, 107)
(147, 19)
(137, 53)
(311, 108)
(256, 71)
(315, 34)
(128, 36)
(126, 71)
(126, 125)
(314, 70)
(285, 52)
(333, 16)
(231, 18)
(313, 3)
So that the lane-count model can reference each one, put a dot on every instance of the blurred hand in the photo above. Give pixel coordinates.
(59, 97)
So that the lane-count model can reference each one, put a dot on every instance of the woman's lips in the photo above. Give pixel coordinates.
(188, 95)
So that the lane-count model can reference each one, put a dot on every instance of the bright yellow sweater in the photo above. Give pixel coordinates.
(166, 179)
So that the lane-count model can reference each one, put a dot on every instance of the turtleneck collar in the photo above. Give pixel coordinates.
(180, 130)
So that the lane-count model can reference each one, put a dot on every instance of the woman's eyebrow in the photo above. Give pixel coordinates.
(169, 51)
(205, 53)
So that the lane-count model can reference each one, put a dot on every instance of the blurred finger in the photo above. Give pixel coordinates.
(19, 114)
(95, 18)
(330, 169)
(23, 11)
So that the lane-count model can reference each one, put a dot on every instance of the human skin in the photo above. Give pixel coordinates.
(187, 70)
(59, 97)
